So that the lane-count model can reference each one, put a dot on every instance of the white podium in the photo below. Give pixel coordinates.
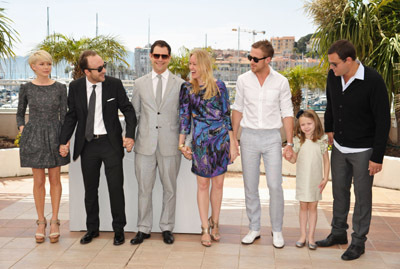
(187, 218)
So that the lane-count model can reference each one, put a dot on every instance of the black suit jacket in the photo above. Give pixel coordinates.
(113, 98)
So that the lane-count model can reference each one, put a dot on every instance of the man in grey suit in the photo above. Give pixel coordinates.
(156, 102)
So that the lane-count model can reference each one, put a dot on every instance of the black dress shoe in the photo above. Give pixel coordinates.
(168, 237)
(139, 238)
(353, 252)
(119, 238)
(87, 238)
(332, 240)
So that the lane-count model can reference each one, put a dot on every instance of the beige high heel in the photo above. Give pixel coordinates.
(206, 243)
(39, 236)
(214, 225)
(54, 237)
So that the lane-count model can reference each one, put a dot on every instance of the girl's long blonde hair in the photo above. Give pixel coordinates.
(319, 130)
(204, 66)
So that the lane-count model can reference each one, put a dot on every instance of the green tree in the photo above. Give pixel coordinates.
(385, 57)
(299, 77)
(352, 21)
(65, 48)
(8, 35)
(179, 64)
(301, 44)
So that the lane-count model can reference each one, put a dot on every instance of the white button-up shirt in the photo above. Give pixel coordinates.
(99, 127)
(263, 107)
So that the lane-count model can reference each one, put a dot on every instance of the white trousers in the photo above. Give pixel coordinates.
(267, 144)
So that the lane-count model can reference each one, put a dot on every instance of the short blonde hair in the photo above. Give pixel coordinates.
(204, 64)
(40, 55)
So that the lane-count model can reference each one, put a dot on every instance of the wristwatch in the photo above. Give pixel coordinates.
(290, 144)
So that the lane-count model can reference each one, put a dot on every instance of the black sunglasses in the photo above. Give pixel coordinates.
(336, 64)
(255, 59)
(163, 56)
(99, 69)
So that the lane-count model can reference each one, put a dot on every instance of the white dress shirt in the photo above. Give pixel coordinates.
(263, 107)
(164, 78)
(99, 127)
(358, 75)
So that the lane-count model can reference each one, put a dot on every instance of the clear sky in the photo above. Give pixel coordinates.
(179, 22)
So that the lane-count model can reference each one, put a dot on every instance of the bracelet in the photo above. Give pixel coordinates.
(181, 146)
(290, 144)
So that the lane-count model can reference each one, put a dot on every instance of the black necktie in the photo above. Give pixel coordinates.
(90, 116)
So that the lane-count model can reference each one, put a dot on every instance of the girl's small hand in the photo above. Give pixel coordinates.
(322, 185)
(21, 128)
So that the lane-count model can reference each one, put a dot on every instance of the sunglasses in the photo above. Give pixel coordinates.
(163, 56)
(336, 64)
(99, 69)
(255, 59)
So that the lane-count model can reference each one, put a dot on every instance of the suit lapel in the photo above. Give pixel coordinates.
(149, 82)
(104, 92)
(83, 94)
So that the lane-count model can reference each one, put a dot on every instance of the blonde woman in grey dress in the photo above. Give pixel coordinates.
(311, 153)
(39, 144)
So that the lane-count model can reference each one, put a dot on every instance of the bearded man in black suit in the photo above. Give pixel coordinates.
(93, 103)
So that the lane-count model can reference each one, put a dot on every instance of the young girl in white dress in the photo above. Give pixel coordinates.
(310, 153)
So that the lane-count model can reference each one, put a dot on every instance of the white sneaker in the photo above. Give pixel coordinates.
(250, 237)
(278, 240)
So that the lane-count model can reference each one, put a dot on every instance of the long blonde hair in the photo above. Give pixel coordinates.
(204, 66)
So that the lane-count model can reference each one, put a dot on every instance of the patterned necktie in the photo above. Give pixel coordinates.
(159, 91)
(90, 116)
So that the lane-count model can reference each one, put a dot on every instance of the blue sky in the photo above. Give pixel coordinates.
(180, 23)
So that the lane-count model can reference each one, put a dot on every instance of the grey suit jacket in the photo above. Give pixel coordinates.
(157, 126)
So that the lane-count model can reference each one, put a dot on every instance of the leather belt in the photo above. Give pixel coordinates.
(99, 136)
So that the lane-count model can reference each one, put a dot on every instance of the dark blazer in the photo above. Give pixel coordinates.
(113, 98)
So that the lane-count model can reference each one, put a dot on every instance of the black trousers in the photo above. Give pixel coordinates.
(348, 168)
(95, 153)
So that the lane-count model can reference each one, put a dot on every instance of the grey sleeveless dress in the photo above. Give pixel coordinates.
(39, 144)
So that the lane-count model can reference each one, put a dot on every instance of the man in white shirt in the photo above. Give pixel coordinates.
(262, 103)
(156, 100)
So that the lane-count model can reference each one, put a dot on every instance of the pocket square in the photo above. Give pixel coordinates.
(109, 100)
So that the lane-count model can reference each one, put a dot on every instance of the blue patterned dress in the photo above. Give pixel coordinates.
(211, 126)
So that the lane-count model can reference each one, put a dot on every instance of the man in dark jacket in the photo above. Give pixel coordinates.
(357, 122)
(93, 104)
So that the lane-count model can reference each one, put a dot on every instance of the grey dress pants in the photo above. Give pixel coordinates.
(267, 144)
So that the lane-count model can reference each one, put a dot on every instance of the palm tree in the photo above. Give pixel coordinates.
(62, 48)
(299, 77)
(386, 56)
(351, 20)
(179, 64)
(7, 36)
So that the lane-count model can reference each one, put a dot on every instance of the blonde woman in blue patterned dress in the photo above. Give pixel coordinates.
(205, 102)
(47, 100)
